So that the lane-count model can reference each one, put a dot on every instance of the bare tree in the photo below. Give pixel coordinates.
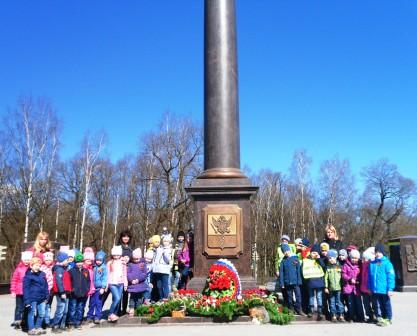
(387, 194)
(91, 150)
(336, 186)
(300, 175)
(32, 130)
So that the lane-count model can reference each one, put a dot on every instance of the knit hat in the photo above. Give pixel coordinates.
(343, 252)
(101, 255)
(61, 257)
(380, 248)
(116, 250)
(137, 253)
(27, 255)
(305, 242)
(64, 248)
(181, 233)
(154, 239)
(79, 257)
(332, 254)
(324, 246)
(35, 260)
(71, 253)
(167, 237)
(351, 247)
(355, 254)
(285, 248)
(298, 241)
(148, 255)
(315, 248)
(48, 256)
(369, 254)
(88, 253)
(286, 238)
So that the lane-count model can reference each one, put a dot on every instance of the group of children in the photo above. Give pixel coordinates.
(344, 286)
(74, 278)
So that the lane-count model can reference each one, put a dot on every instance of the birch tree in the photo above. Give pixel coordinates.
(32, 129)
(91, 150)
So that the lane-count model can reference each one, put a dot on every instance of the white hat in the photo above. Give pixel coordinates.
(137, 253)
(48, 256)
(71, 253)
(27, 255)
(355, 254)
(116, 250)
(149, 254)
(369, 254)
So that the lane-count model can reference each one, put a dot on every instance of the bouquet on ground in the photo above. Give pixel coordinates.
(223, 280)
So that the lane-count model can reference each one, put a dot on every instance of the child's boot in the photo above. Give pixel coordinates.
(319, 313)
(310, 312)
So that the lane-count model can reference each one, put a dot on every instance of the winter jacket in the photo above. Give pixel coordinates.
(333, 277)
(349, 272)
(364, 277)
(80, 279)
(280, 255)
(381, 276)
(16, 283)
(184, 258)
(117, 272)
(313, 272)
(62, 280)
(334, 244)
(100, 276)
(91, 272)
(127, 250)
(134, 272)
(162, 261)
(35, 287)
(290, 271)
(49, 276)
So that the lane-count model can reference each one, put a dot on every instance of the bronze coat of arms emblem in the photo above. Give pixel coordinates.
(222, 230)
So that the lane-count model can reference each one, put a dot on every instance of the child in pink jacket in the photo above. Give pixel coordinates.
(117, 280)
(46, 267)
(351, 286)
(16, 287)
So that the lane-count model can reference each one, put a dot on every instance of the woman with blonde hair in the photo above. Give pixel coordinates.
(42, 244)
(331, 238)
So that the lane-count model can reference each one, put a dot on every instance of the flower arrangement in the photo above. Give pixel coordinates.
(222, 299)
(223, 280)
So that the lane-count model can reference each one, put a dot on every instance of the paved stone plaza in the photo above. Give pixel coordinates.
(404, 307)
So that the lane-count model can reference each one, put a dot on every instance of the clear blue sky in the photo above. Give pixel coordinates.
(334, 77)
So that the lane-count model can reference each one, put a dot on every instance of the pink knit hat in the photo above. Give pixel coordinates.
(88, 253)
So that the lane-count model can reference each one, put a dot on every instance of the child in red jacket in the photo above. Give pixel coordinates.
(16, 287)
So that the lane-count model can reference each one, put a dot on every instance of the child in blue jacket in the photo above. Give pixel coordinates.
(100, 285)
(35, 296)
(290, 278)
(381, 283)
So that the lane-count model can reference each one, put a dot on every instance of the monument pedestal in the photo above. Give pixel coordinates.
(222, 227)
(403, 255)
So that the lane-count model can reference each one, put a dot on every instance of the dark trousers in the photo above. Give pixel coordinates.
(367, 305)
(383, 302)
(355, 308)
(76, 310)
(305, 298)
(182, 283)
(136, 299)
(19, 309)
(290, 291)
(95, 306)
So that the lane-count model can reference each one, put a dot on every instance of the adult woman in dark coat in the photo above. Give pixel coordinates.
(332, 238)
(125, 241)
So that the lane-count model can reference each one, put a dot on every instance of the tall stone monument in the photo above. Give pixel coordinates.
(222, 192)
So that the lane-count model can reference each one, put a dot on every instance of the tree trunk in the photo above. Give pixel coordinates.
(57, 221)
